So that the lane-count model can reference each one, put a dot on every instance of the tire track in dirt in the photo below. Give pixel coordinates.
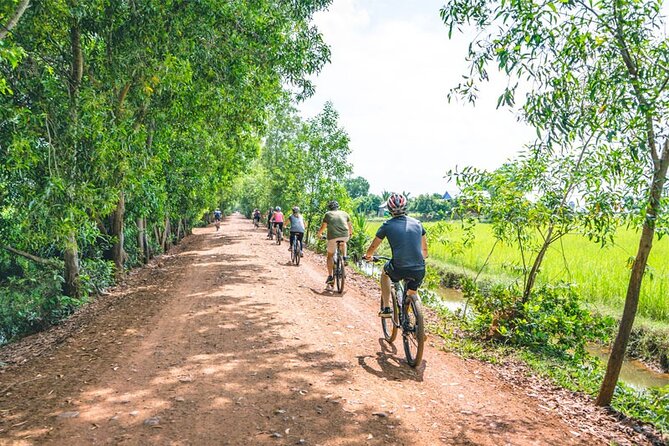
(227, 343)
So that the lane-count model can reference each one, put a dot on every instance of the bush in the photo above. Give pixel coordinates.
(357, 245)
(96, 275)
(553, 320)
(32, 301)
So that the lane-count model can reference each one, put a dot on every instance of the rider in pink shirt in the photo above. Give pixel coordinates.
(277, 218)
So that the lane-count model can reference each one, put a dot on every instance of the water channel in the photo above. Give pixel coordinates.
(634, 373)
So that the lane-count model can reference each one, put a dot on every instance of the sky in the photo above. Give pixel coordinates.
(391, 68)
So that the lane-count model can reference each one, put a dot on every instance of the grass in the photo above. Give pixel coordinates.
(601, 273)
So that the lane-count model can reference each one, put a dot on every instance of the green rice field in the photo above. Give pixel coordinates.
(601, 274)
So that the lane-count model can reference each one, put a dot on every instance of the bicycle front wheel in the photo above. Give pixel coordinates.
(413, 335)
(278, 236)
(390, 324)
(340, 275)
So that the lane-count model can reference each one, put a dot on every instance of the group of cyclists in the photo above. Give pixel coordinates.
(406, 237)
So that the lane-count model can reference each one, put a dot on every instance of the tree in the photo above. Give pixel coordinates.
(147, 110)
(356, 187)
(598, 72)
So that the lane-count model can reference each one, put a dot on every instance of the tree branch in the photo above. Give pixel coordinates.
(23, 5)
(29, 256)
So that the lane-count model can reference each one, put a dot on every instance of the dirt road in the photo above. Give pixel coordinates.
(224, 342)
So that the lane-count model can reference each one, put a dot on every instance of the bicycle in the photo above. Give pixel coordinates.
(339, 271)
(279, 235)
(407, 315)
(256, 223)
(217, 223)
(295, 252)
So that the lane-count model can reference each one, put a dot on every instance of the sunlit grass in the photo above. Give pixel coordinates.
(600, 273)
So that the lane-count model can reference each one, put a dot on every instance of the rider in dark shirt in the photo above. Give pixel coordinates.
(408, 244)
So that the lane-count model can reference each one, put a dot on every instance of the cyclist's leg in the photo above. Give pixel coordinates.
(332, 245)
(386, 285)
(300, 236)
(414, 278)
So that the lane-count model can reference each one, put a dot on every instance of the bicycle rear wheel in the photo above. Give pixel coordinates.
(390, 324)
(296, 252)
(413, 335)
(278, 236)
(340, 275)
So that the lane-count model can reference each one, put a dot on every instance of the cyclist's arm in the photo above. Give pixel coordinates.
(321, 229)
(350, 229)
(423, 246)
(372, 248)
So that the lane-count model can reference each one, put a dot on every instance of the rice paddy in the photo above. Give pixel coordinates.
(600, 273)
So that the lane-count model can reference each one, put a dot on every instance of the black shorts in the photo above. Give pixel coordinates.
(414, 276)
(279, 224)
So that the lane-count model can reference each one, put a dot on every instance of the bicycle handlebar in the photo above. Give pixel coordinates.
(380, 258)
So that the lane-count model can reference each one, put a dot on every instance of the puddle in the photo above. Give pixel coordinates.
(634, 373)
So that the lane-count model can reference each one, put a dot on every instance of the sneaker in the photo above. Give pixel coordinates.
(330, 280)
(386, 312)
(301, 254)
(345, 260)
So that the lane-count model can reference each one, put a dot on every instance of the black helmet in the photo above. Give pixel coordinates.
(333, 205)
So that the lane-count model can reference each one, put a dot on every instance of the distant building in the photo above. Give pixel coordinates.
(446, 196)
(381, 212)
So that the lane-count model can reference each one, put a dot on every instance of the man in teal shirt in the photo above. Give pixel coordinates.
(338, 224)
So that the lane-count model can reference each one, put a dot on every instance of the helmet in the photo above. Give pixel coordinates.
(296, 209)
(333, 205)
(278, 209)
(397, 204)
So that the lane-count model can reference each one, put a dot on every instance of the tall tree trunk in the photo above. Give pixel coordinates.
(71, 287)
(117, 224)
(166, 235)
(147, 248)
(634, 287)
(14, 20)
(141, 240)
(532, 276)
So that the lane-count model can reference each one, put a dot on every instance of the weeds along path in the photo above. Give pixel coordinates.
(224, 342)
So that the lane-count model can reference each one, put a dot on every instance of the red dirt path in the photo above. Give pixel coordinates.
(224, 342)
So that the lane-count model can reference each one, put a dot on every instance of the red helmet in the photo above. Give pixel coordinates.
(397, 204)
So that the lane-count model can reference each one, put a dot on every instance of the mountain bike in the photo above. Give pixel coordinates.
(339, 271)
(408, 316)
(217, 223)
(256, 223)
(295, 252)
(279, 235)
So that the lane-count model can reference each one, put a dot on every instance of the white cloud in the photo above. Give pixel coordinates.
(392, 66)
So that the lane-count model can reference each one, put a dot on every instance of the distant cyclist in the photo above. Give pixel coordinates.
(338, 224)
(217, 214)
(408, 244)
(296, 223)
(277, 218)
(256, 217)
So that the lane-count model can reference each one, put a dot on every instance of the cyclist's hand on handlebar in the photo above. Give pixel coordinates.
(367, 257)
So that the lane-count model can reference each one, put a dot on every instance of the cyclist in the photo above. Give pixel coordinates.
(338, 224)
(217, 214)
(277, 218)
(256, 217)
(408, 244)
(296, 228)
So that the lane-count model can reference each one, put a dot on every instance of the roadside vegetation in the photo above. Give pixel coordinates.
(124, 124)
